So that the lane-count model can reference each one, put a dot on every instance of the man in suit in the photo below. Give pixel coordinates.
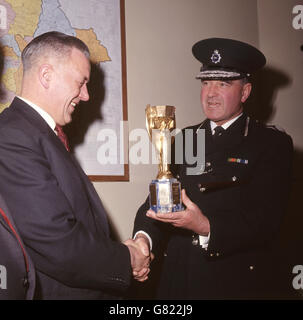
(18, 271)
(220, 246)
(59, 214)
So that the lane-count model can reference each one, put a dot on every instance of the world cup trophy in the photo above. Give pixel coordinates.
(165, 190)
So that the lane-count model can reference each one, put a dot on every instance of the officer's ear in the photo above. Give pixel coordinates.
(246, 90)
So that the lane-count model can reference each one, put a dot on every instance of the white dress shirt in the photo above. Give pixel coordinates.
(213, 125)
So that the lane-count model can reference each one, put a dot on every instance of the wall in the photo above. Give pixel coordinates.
(282, 43)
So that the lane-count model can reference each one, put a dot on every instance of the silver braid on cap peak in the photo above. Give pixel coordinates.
(217, 73)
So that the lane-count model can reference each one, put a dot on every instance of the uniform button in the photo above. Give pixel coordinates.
(207, 164)
(202, 189)
(251, 267)
(211, 254)
(234, 178)
(177, 176)
(165, 254)
(217, 254)
(195, 241)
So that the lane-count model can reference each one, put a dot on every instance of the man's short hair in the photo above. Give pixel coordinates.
(53, 43)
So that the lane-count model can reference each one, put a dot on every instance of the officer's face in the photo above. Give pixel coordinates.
(222, 100)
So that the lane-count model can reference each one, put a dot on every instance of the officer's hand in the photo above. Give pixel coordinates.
(192, 218)
(143, 243)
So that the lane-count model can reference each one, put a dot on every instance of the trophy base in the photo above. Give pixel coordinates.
(165, 195)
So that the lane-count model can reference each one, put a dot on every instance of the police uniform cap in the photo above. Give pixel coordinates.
(227, 59)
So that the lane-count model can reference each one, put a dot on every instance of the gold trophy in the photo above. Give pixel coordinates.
(165, 190)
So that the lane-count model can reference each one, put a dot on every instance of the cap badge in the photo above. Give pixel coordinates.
(216, 57)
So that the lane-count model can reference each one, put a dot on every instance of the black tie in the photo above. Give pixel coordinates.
(218, 132)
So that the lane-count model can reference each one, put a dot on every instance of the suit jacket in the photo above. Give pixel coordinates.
(58, 212)
(18, 269)
(243, 191)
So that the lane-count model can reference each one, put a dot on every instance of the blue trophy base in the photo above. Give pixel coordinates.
(165, 195)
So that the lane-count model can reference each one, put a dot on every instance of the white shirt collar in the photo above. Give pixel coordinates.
(213, 125)
(49, 120)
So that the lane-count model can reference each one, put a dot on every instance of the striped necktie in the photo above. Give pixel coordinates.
(62, 136)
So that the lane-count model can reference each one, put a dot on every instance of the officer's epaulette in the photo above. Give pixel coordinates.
(274, 127)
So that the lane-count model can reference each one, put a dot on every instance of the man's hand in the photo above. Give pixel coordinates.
(192, 218)
(140, 257)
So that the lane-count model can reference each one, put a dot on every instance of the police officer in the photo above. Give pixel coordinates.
(219, 247)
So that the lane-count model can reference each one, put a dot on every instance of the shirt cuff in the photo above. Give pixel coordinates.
(203, 240)
(147, 236)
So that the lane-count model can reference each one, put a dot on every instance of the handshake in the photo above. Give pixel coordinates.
(140, 256)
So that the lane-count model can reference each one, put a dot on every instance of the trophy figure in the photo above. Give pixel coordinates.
(165, 190)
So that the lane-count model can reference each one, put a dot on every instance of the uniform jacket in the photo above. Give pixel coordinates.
(243, 191)
(58, 212)
(19, 274)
